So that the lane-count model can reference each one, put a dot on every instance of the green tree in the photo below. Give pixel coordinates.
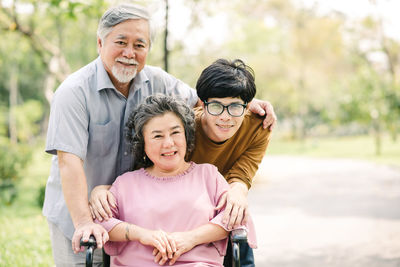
(377, 68)
(50, 27)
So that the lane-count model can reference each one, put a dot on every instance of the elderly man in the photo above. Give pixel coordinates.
(87, 126)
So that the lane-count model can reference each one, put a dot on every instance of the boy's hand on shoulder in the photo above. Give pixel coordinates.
(263, 108)
(236, 210)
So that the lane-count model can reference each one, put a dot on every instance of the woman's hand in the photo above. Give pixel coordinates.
(236, 210)
(100, 201)
(158, 239)
(181, 243)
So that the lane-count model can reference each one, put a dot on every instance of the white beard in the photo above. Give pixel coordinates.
(123, 75)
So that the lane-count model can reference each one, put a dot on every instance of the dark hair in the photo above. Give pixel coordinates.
(225, 78)
(157, 105)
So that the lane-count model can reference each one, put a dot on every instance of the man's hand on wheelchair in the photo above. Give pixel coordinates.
(181, 242)
(236, 209)
(84, 230)
(100, 202)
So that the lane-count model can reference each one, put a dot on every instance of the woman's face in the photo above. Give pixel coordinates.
(165, 144)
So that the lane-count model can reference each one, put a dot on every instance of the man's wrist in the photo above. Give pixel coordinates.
(82, 223)
(239, 184)
(241, 181)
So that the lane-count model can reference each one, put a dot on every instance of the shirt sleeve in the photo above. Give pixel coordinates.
(221, 187)
(111, 247)
(246, 166)
(180, 90)
(68, 122)
(112, 222)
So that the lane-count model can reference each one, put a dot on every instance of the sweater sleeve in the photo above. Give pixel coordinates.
(221, 245)
(246, 165)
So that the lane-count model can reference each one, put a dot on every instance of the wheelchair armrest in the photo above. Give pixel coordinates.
(237, 236)
(91, 246)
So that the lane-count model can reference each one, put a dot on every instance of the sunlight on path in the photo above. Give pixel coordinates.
(326, 212)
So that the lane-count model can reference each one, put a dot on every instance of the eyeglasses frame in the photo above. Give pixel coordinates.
(225, 107)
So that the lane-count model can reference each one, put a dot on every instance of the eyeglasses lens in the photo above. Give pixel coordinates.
(216, 109)
(235, 110)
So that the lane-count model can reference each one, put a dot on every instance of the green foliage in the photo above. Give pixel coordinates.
(41, 195)
(3, 121)
(24, 240)
(29, 68)
(28, 117)
(24, 234)
(13, 159)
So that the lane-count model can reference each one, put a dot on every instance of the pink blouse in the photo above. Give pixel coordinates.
(172, 204)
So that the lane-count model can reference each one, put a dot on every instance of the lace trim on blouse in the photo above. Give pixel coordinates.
(169, 178)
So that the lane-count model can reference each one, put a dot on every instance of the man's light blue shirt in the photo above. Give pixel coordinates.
(87, 118)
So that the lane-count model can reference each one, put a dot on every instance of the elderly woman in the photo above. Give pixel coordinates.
(165, 210)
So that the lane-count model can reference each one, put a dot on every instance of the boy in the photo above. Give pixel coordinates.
(230, 137)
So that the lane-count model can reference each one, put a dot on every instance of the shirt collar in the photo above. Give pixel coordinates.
(103, 80)
(140, 78)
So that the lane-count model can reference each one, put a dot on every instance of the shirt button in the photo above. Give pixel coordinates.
(125, 153)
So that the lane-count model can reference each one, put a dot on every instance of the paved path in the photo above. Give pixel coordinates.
(326, 213)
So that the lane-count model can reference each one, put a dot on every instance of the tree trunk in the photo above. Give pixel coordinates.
(166, 51)
(377, 136)
(13, 98)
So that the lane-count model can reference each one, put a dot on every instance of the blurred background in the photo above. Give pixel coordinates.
(329, 185)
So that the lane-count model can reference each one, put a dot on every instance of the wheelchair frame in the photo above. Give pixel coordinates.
(237, 236)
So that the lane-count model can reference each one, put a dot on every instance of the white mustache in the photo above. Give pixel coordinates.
(127, 61)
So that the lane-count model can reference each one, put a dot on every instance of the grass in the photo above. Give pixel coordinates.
(359, 147)
(24, 235)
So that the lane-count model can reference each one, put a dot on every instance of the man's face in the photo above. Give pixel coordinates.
(221, 127)
(125, 49)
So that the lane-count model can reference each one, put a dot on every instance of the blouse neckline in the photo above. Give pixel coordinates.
(170, 178)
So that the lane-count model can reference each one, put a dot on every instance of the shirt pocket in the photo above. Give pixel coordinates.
(103, 138)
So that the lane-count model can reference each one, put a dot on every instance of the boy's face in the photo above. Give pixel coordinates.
(221, 127)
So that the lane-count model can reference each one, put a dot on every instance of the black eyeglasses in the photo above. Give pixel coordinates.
(234, 109)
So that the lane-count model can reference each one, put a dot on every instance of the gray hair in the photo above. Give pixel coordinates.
(157, 105)
(120, 13)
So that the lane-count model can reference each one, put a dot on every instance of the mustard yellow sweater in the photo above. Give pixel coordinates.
(239, 156)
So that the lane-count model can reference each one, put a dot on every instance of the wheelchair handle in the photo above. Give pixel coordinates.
(237, 236)
(91, 246)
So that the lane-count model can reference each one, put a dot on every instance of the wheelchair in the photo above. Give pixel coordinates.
(236, 237)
